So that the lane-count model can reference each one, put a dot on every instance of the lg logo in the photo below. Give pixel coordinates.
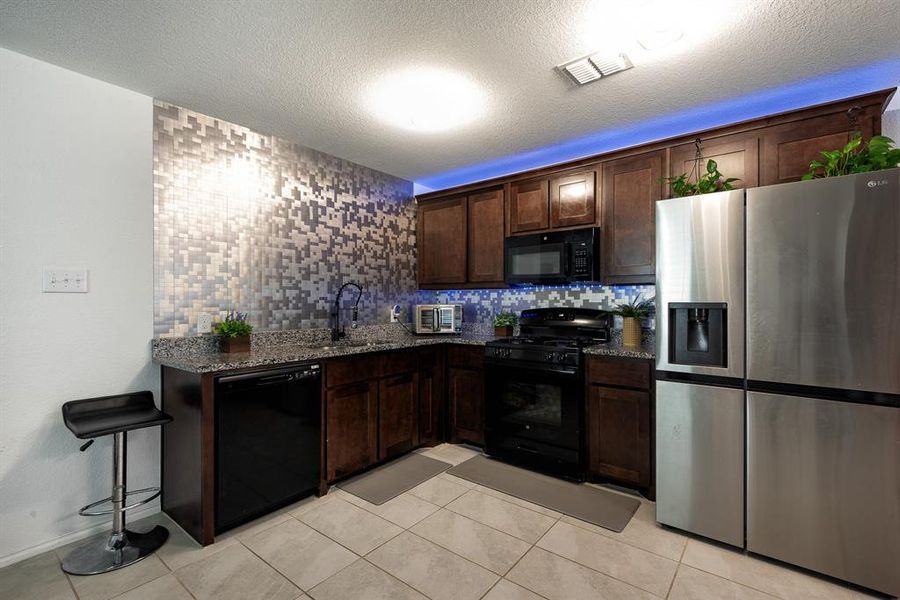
(876, 182)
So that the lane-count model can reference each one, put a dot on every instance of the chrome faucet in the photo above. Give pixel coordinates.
(337, 332)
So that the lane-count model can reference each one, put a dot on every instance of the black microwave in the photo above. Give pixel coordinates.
(553, 258)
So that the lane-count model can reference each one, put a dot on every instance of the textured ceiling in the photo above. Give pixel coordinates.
(300, 69)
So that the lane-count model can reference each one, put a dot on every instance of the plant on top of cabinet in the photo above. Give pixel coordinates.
(709, 182)
(235, 330)
(856, 157)
(504, 322)
(632, 314)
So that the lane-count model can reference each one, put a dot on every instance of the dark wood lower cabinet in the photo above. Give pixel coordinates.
(619, 422)
(431, 396)
(398, 410)
(465, 393)
(352, 426)
(620, 445)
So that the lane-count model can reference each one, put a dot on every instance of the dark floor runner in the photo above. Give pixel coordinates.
(600, 507)
(388, 481)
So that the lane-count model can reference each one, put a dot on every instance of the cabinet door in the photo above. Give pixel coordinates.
(431, 397)
(485, 256)
(352, 428)
(529, 206)
(618, 432)
(441, 239)
(572, 200)
(788, 149)
(465, 388)
(736, 156)
(398, 409)
(631, 187)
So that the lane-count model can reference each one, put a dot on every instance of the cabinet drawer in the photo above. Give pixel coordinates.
(619, 372)
(352, 369)
(395, 363)
(471, 357)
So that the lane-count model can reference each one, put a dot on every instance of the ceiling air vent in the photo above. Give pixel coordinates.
(591, 68)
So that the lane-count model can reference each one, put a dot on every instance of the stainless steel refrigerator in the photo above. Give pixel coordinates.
(823, 376)
(700, 365)
(804, 467)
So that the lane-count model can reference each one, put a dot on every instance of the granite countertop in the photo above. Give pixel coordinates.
(208, 362)
(200, 354)
(647, 349)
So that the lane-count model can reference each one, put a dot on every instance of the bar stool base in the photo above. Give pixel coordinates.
(103, 554)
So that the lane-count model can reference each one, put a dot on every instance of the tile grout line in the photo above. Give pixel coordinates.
(274, 568)
(672, 583)
(614, 578)
(392, 576)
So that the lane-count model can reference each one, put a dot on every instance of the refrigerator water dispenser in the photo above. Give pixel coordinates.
(698, 333)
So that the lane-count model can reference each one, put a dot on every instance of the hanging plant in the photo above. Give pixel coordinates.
(856, 157)
(709, 182)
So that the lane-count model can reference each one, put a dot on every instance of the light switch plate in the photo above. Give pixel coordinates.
(65, 280)
(204, 323)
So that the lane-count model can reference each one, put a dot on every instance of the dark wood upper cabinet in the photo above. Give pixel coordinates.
(351, 422)
(486, 234)
(441, 240)
(398, 409)
(573, 200)
(631, 187)
(788, 149)
(529, 206)
(736, 156)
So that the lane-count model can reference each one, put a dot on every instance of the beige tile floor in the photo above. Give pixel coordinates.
(445, 539)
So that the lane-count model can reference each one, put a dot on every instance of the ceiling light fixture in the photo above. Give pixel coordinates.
(596, 66)
(426, 99)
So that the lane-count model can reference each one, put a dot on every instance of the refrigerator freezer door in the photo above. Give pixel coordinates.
(700, 460)
(700, 259)
(823, 282)
(823, 487)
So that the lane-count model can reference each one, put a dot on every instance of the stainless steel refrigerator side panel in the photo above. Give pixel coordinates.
(823, 487)
(700, 258)
(700, 460)
(823, 282)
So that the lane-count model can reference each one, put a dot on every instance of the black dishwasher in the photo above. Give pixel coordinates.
(267, 440)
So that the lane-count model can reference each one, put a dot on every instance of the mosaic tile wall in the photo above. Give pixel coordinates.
(272, 228)
(482, 305)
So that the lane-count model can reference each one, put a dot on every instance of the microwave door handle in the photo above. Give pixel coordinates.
(567, 259)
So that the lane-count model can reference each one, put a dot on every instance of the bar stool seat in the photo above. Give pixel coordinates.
(114, 415)
(96, 417)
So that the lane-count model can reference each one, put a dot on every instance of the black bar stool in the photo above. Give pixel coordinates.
(114, 415)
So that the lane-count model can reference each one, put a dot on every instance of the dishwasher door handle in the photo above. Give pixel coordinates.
(273, 379)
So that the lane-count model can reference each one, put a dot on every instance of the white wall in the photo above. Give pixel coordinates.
(76, 189)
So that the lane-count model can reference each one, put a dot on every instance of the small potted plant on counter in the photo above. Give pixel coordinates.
(235, 332)
(504, 323)
(633, 313)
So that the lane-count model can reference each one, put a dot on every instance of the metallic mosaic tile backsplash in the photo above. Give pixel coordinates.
(482, 305)
(253, 222)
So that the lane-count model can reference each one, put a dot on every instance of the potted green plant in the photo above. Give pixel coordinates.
(633, 313)
(504, 323)
(856, 157)
(707, 183)
(235, 331)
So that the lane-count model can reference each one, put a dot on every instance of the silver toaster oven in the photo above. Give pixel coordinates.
(438, 318)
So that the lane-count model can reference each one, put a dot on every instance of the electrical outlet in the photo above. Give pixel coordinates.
(204, 323)
(65, 281)
(395, 313)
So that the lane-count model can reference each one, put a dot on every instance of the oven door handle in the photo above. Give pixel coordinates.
(529, 366)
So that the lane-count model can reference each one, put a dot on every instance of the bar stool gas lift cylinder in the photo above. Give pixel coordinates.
(116, 416)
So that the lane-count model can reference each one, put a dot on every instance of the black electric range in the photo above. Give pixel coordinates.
(534, 389)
